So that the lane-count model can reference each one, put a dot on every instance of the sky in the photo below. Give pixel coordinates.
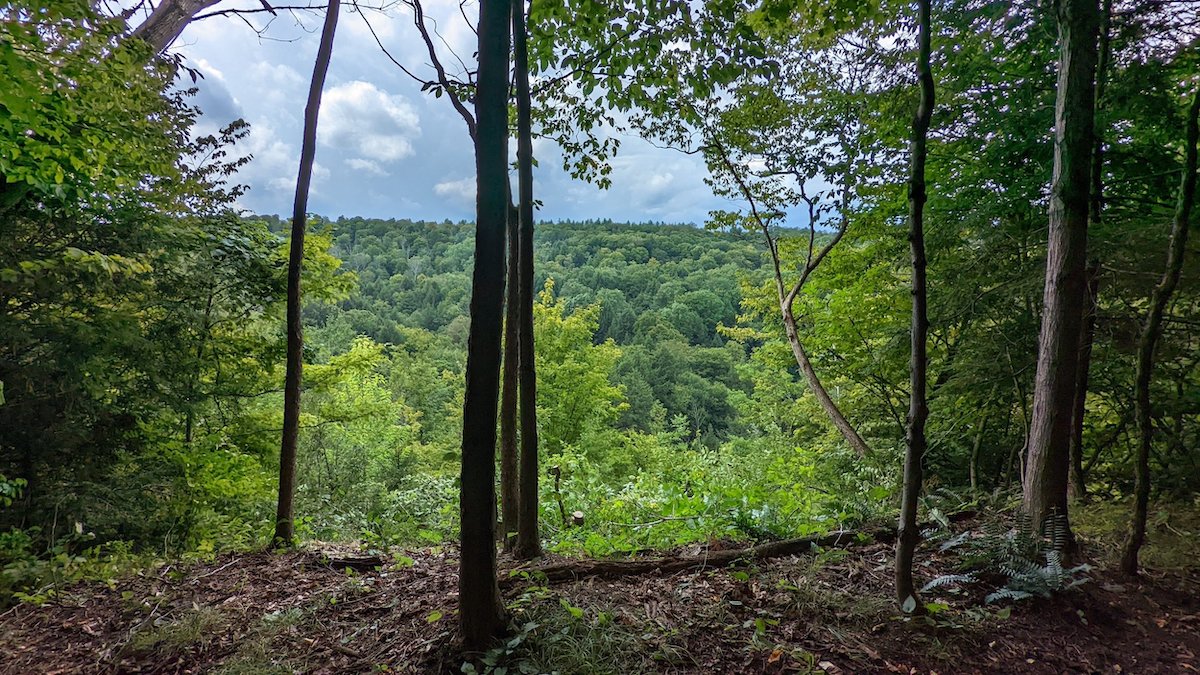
(385, 149)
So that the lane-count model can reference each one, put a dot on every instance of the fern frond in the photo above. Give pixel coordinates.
(1006, 594)
(947, 579)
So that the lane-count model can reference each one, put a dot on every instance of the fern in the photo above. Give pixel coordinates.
(1006, 594)
(947, 579)
(1032, 565)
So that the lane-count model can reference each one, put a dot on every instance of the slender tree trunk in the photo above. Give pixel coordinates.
(508, 397)
(1077, 480)
(481, 614)
(973, 467)
(827, 403)
(918, 410)
(787, 297)
(285, 534)
(1046, 468)
(1151, 332)
(528, 541)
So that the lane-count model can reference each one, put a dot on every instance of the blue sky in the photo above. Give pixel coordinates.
(385, 149)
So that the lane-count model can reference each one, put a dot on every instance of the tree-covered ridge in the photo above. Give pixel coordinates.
(658, 292)
(412, 273)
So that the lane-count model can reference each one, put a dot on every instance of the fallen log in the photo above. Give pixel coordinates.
(615, 568)
(359, 563)
(610, 569)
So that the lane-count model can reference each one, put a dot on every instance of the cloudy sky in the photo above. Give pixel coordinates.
(385, 149)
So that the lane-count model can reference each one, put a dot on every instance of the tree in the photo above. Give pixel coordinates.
(509, 487)
(805, 127)
(528, 539)
(1077, 483)
(285, 533)
(1151, 332)
(1045, 480)
(168, 20)
(480, 611)
(918, 411)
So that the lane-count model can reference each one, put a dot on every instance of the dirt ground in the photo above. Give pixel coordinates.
(826, 612)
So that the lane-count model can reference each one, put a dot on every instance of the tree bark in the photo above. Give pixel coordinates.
(1076, 482)
(1151, 332)
(973, 465)
(1046, 468)
(918, 411)
(508, 396)
(168, 20)
(528, 541)
(827, 403)
(787, 298)
(1077, 479)
(481, 614)
(284, 516)
(1104, 55)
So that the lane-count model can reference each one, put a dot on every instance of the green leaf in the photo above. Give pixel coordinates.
(576, 612)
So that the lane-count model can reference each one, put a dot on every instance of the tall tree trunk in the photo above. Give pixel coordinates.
(1104, 55)
(528, 541)
(481, 614)
(508, 396)
(284, 517)
(1046, 468)
(973, 466)
(918, 410)
(168, 20)
(1151, 332)
(827, 403)
(1077, 480)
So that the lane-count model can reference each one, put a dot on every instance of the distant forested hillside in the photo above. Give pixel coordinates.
(659, 291)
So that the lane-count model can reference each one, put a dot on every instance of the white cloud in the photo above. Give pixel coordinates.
(457, 190)
(263, 73)
(364, 120)
(209, 70)
(369, 166)
(287, 183)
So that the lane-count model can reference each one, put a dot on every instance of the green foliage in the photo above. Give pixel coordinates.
(31, 573)
(83, 113)
(141, 318)
(10, 490)
(1031, 564)
(559, 637)
(575, 395)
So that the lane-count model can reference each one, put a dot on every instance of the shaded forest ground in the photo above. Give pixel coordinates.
(825, 611)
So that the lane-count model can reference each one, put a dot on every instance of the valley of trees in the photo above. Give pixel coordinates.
(942, 346)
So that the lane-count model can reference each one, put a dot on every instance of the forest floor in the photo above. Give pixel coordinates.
(829, 611)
